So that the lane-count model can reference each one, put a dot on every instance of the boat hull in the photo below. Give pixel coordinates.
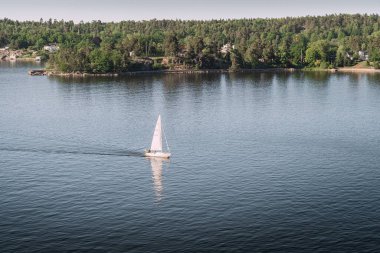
(157, 154)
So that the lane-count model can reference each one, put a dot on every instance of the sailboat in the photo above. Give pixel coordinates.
(156, 147)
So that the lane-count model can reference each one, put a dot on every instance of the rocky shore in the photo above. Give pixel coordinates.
(359, 70)
(187, 71)
(44, 72)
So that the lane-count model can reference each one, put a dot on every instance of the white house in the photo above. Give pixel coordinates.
(51, 48)
(363, 56)
(227, 48)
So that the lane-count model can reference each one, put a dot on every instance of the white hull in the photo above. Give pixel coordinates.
(157, 154)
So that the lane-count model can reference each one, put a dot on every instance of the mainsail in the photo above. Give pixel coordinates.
(157, 136)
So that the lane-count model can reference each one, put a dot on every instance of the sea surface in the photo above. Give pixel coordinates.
(261, 162)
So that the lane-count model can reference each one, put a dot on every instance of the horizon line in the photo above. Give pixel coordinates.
(179, 19)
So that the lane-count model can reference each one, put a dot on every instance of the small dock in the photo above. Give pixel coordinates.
(37, 72)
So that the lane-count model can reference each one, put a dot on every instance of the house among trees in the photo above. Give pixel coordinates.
(51, 48)
(363, 55)
(227, 48)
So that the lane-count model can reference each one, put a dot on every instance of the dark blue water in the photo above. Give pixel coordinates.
(262, 162)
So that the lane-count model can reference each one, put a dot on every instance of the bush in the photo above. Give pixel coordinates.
(324, 65)
(376, 65)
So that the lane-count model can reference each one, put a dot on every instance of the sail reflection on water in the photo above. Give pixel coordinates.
(157, 165)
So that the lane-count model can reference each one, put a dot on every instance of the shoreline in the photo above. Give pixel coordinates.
(22, 59)
(189, 71)
(343, 70)
(201, 71)
(358, 70)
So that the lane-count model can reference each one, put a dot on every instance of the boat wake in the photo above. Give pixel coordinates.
(62, 145)
(132, 152)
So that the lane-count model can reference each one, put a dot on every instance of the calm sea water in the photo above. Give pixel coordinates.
(262, 162)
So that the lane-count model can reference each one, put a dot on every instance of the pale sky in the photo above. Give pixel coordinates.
(116, 10)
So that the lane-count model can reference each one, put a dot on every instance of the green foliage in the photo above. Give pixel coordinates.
(320, 53)
(171, 44)
(101, 61)
(236, 60)
(374, 47)
(316, 53)
(324, 41)
(157, 66)
(324, 65)
(340, 59)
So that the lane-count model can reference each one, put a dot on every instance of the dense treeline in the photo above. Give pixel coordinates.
(325, 41)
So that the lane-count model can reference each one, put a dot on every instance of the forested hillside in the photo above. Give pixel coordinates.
(97, 47)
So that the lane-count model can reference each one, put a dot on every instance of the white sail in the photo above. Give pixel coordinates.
(156, 147)
(157, 136)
